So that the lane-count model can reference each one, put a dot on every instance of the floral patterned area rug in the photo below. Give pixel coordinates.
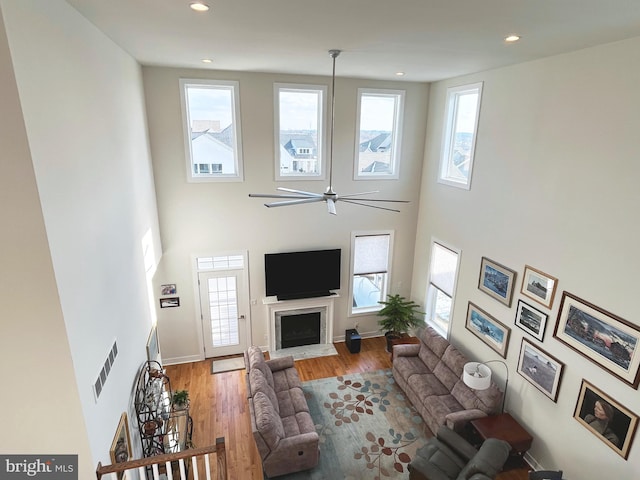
(368, 429)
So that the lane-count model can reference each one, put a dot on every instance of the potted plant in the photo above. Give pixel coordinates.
(399, 315)
(180, 399)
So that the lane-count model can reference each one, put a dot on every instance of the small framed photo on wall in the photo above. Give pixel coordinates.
(531, 320)
(538, 286)
(496, 280)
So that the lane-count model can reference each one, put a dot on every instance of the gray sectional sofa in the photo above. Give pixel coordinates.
(430, 374)
(282, 427)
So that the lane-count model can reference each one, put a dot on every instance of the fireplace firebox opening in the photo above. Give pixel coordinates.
(300, 329)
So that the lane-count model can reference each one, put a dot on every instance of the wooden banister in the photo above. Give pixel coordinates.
(161, 460)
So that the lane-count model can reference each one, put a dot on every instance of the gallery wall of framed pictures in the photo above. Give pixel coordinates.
(609, 341)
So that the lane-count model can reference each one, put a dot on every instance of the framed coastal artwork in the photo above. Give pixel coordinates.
(540, 369)
(603, 416)
(531, 320)
(496, 281)
(538, 286)
(488, 329)
(604, 338)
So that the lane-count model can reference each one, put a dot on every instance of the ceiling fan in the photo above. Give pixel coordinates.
(298, 197)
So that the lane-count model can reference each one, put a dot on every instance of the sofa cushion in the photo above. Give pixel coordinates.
(449, 368)
(297, 424)
(268, 421)
(259, 383)
(488, 461)
(291, 402)
(426, 385)
(286, 379)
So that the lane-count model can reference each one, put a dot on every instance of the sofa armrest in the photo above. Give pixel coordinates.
(299, 442)
(406, 350)
(281, 363)
(457, 420)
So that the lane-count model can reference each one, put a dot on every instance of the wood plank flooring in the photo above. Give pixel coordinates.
(219, 404)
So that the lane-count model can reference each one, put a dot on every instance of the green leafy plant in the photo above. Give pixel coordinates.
(399, 315)
(180, 398)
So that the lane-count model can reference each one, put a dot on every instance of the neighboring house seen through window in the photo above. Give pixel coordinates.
(299, 119)
(443, 276)
(212, 130)
(379, 133)
(371, 263)
(461, 124)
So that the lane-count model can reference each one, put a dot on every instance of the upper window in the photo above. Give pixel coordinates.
(370, 264)
(461, 124)
(299, 120)
(379, 132)
(443, 276)
(212, 132)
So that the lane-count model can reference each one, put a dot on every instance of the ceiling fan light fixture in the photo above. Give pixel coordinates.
(512, 38)
(199, 6)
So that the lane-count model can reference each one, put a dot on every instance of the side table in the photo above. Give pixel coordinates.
(504, 427)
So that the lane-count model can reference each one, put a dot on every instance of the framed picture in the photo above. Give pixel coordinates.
(169, 302)
(531, 320)
(488, 329)
(606, 419)
(121, 446)
(602, 337)
(168, 289)
(538, 286)
(496, 280)
(540, 369)
(153, 349)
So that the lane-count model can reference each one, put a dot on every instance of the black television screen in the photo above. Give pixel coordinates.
(307, 274)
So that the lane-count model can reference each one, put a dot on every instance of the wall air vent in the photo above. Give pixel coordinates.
(104, 372)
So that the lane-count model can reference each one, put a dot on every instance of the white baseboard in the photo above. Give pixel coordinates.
(178, 360)
(376, 333)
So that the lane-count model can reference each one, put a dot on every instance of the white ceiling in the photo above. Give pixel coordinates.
(428, 39)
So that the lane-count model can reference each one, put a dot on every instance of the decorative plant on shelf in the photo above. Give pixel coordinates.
(180, 399)
(399, 315)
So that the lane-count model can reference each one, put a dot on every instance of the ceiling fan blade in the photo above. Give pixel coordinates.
(331, 206)
(358, 194)
(300, 192)
(276, 195)
(371, 206)
(294, 202)
(375, 200)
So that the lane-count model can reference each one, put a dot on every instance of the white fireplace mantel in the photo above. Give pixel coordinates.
(276, 307)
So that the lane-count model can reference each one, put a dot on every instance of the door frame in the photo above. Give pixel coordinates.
(196, 292)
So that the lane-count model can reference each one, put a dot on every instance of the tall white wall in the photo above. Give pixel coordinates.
(205, 218)
(555, 186)
(41, 405)
(85, 122)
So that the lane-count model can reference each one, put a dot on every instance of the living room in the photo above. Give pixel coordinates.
(553, 187)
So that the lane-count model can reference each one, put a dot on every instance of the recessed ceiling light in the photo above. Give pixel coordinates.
(199, 6)
(400, 74)
(207, 60)
(512, 38)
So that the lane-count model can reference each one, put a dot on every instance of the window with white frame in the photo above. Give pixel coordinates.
(299, 119)
(371, 265)
(212, 132)
(443, 275)
(458, 145)
(379, 130)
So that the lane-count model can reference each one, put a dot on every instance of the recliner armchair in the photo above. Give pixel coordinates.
(448, 456)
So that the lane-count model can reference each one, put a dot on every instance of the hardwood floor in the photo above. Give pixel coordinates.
(219, 402)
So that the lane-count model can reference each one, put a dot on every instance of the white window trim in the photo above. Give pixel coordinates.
(448, 131)
(186, 123)
(428, 295)
(322, 128)
(397, 135)
(368, 311)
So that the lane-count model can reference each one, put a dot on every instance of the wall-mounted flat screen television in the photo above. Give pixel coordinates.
(307, 274)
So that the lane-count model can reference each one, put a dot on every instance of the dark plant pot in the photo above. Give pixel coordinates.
(390, 337)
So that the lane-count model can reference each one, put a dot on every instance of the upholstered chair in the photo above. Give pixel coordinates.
(448, 456)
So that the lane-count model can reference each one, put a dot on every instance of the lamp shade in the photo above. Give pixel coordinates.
(476, 375)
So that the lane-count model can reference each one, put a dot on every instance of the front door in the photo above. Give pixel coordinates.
(223, 307)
